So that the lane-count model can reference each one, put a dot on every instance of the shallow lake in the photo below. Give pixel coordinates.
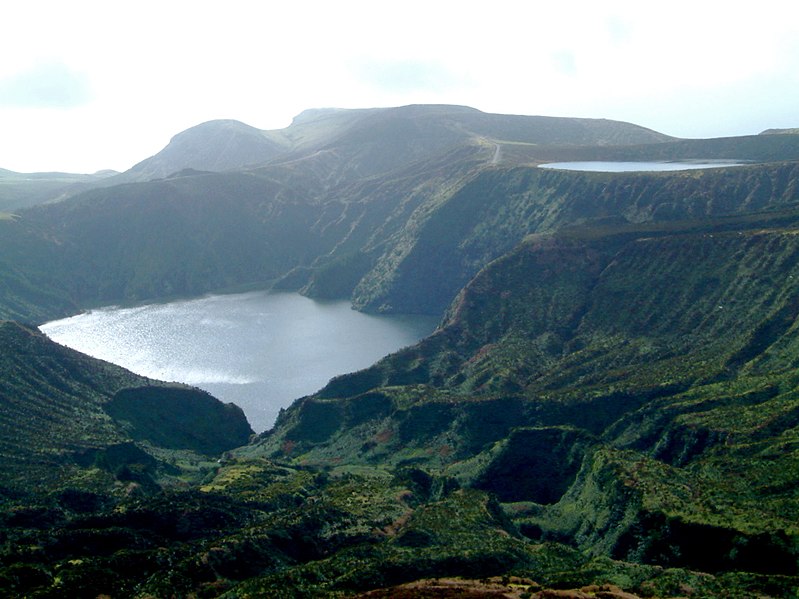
(260, 350)
(628, 167)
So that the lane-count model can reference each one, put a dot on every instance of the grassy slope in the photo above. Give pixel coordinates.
(68, 419)
(178, 237)
(486, 215)
(656, 463)
(22, 190)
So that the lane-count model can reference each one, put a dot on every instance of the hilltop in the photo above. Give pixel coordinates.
(212, 146)
(374, 141)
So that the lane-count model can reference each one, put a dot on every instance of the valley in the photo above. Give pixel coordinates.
(610, 397)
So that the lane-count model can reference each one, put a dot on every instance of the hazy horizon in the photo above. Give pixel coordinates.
(87, 86)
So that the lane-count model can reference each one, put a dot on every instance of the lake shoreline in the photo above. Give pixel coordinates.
(260, 350)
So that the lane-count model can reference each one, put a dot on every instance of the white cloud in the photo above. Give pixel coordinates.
(46, 85)
(406, 76)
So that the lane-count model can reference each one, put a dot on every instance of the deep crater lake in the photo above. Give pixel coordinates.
(259, 350)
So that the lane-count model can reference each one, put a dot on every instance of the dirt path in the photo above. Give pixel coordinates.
(497, 154)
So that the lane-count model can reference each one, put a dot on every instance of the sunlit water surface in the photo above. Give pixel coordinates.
(629, 167)
(259, 350)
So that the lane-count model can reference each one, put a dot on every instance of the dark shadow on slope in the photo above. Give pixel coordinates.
(180, 418)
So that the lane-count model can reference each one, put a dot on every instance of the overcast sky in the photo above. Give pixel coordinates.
(86, 85)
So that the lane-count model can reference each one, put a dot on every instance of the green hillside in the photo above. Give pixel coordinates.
(69, 420)
(488, 214)
(22, 190)
(633, 396)
(607, 409)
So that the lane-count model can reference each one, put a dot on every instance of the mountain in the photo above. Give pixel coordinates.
(385, 140)
(608, 407)
(372, 141)
(346, 143)
(213, 146)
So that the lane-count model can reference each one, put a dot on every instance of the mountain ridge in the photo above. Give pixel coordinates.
(22, 190)
(316, 129)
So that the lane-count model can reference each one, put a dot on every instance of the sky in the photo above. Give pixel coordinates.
(92, 85)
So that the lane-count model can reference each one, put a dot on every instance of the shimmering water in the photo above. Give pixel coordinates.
(627, 167)
(259, 350)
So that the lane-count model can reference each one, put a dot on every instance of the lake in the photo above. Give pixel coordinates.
(260, 350)
(629, 167)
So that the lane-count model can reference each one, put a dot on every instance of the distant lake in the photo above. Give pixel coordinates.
(260, 350)
(628, 167)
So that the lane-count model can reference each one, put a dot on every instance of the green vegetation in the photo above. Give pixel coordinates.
(648, 423)
(66, 419)
(22, 190)
(609, 404)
